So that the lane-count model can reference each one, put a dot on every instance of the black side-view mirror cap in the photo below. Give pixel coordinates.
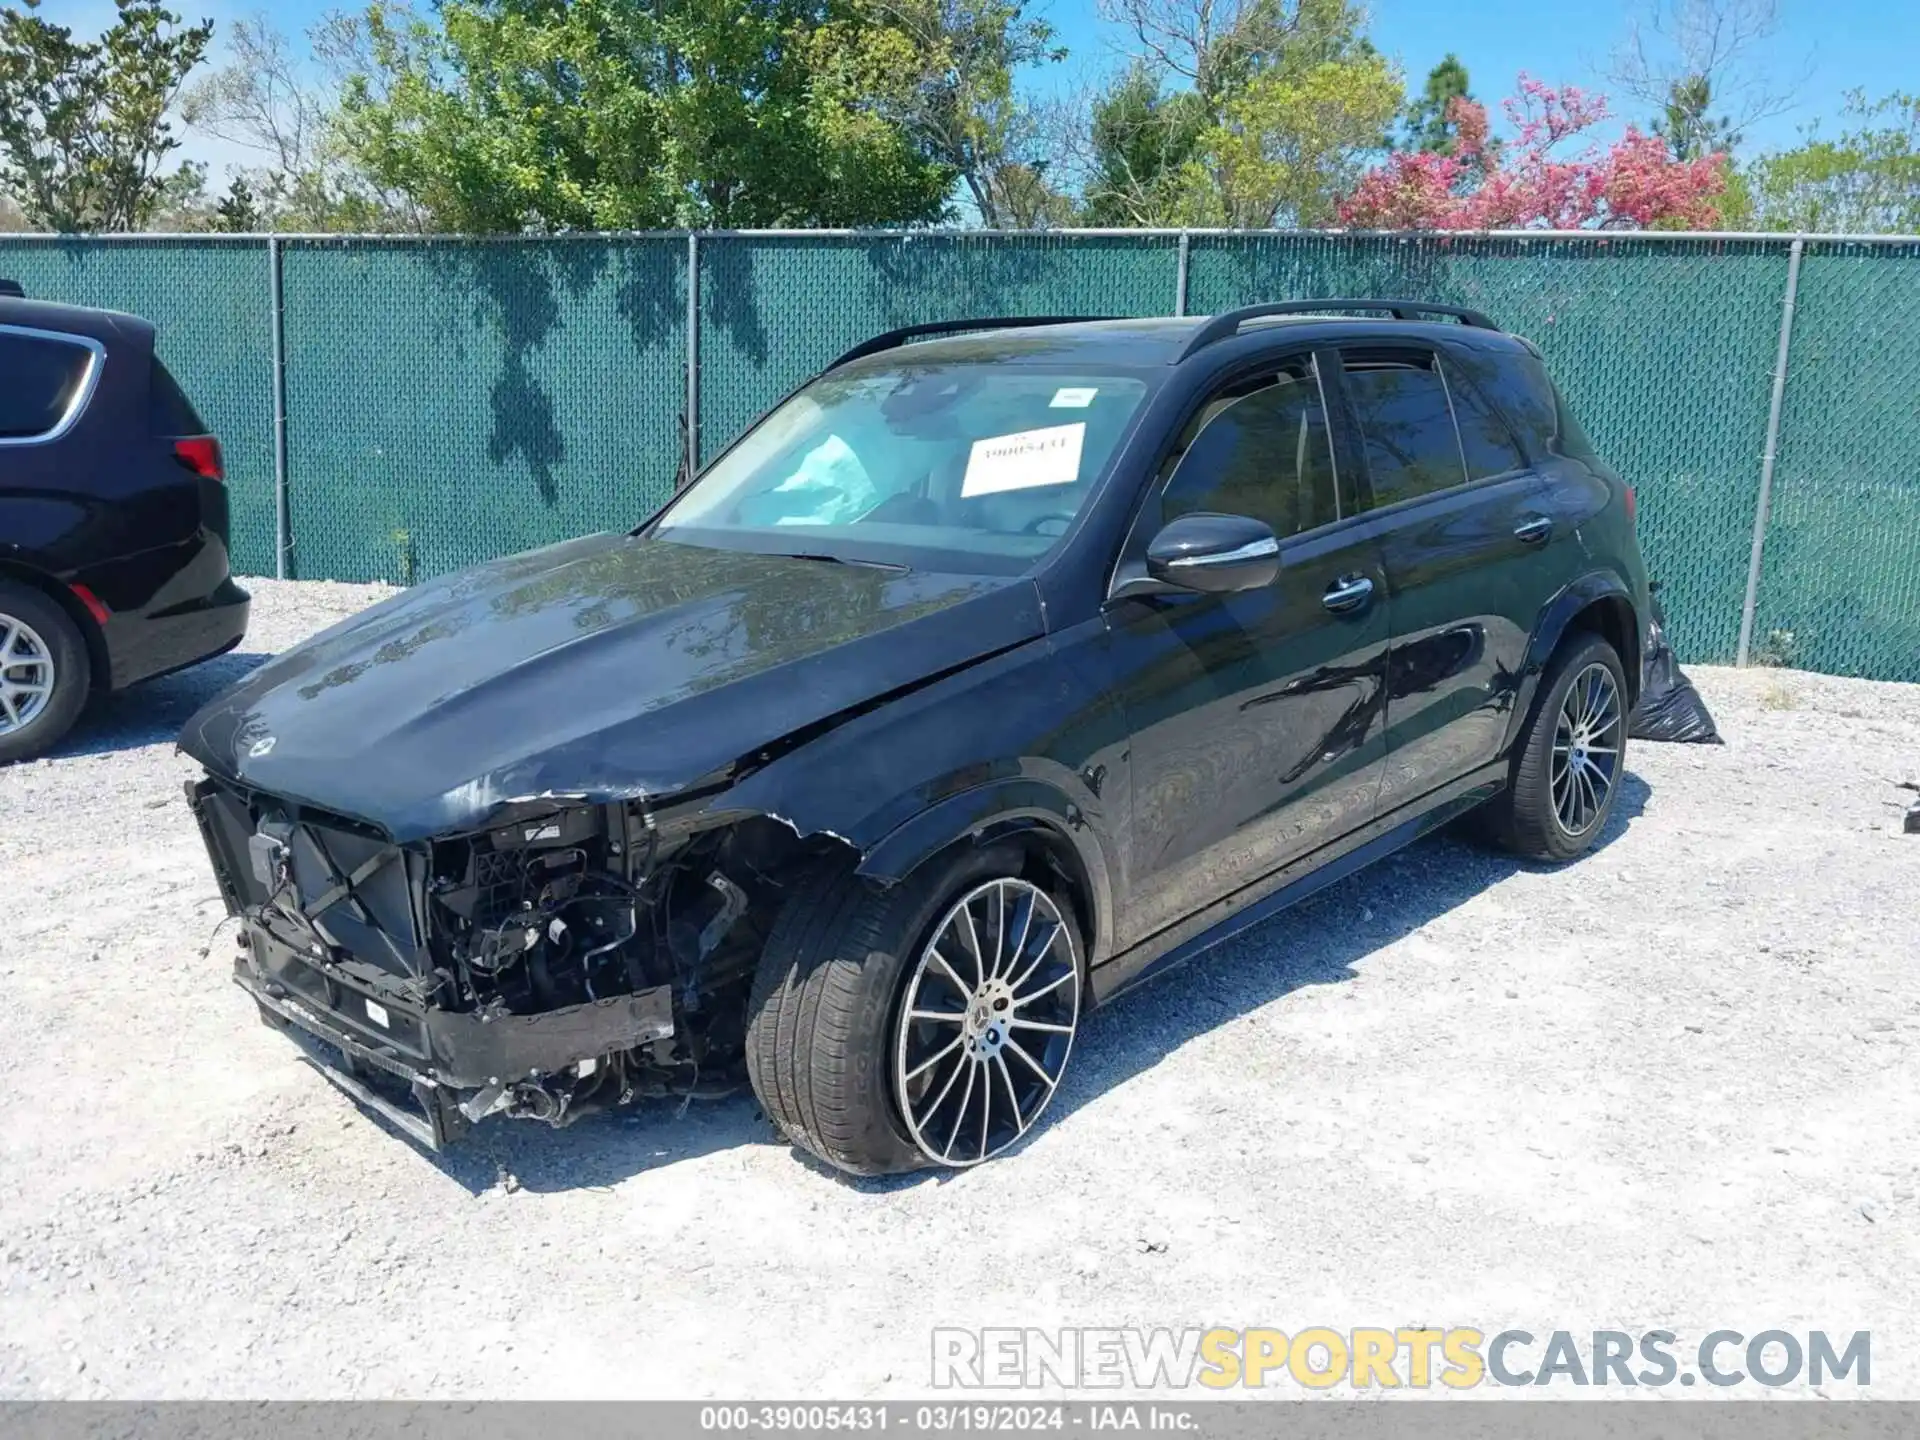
(1214, 553)
(12, 290)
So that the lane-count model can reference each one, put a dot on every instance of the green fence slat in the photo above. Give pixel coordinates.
(451, 401)
(208, 301)
(1840, 574)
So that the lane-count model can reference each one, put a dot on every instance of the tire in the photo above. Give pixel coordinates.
(1542, 813)
(829, 1036)
(45, 672)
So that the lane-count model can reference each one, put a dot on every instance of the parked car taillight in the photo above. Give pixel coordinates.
(201, 454)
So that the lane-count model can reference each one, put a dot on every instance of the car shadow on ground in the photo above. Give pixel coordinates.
(1321, 941)
(151, 713)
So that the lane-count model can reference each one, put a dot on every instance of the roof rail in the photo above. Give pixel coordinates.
(893, 339)
(1222, 327)
(12, 290)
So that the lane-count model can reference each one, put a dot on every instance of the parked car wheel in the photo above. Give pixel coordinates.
(927, 1024)
(45, 673)
(1569, 759)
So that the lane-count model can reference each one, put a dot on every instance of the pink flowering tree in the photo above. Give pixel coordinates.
(1529, 182)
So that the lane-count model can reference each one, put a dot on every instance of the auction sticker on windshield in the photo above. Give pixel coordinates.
(1025, 459)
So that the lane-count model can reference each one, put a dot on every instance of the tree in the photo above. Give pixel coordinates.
(1684, 56)
(1636, 183)
(960, 108)
(613, 114)
(1238, 112)
(265, 99)
(238, 211)
(1686, 124)
(1287, 142)
(1865, 181)
(1429, 124)
(83, 128)
(1141, 141)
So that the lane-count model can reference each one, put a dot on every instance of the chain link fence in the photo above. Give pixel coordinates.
(423, 404)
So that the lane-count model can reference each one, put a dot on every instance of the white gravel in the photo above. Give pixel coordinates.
(1676, 1084)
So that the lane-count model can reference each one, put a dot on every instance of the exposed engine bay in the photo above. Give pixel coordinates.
(567, 959)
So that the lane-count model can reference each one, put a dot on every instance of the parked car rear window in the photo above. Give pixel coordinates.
(39, 380)
(1485, 439)
(1260, 450)
(1407, 425)
(977, 466)
(171, 413)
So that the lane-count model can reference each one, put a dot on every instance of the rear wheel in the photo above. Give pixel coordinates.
(44, 672)
(924, 1024)
(1570, 757)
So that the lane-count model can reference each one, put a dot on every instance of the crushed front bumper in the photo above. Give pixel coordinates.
(432, 1073)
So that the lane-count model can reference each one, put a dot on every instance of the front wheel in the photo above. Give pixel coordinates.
(1570, 757)
(924, 1024)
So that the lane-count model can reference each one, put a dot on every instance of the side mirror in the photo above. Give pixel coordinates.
(1214, 553)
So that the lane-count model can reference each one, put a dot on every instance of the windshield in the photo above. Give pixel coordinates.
(968, 466)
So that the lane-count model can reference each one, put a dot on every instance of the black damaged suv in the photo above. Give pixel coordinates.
(1002, 665)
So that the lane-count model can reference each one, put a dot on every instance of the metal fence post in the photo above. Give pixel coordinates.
(282, 513)
(1180, 279)
(1772, 453)
(692, 464)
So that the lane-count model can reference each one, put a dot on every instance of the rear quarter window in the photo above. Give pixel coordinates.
(1526, 394)
(171, 412)
(41, 378)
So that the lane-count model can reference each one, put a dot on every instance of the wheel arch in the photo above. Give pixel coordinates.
(98, 662)
(1598, 603)
(1045, 823)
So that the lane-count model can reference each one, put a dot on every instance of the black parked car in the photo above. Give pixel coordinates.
(113, 519)
(988, 674)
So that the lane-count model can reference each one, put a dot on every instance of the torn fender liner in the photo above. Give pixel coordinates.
(1669, 708)
(606, 669)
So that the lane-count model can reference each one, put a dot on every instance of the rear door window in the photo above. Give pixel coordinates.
(1406, 423)
(1486, 441)
(42, 378)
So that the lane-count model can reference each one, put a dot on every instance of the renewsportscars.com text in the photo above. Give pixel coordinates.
(1365, 1358)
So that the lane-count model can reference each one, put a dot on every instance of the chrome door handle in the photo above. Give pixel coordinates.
(1533, 531)
(1349, 592)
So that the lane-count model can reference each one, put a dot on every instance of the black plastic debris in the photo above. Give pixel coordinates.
(1670, 708)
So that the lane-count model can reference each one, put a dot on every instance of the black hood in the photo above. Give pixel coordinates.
(605, 668)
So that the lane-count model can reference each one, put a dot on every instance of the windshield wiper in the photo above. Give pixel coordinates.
(839, 560)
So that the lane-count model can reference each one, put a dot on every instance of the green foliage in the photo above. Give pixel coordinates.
(83, 129)
(1287, 98)
(957, 104)
(281, 106)
(1142, 141)
(238, 211)
(1687, 127)
(1865, 181)
(623, 114)
(1429, 125)
(1287, 144)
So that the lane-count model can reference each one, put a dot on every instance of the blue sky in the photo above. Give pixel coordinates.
(1835, 44)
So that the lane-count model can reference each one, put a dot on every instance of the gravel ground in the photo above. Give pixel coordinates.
(1676, 1084)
